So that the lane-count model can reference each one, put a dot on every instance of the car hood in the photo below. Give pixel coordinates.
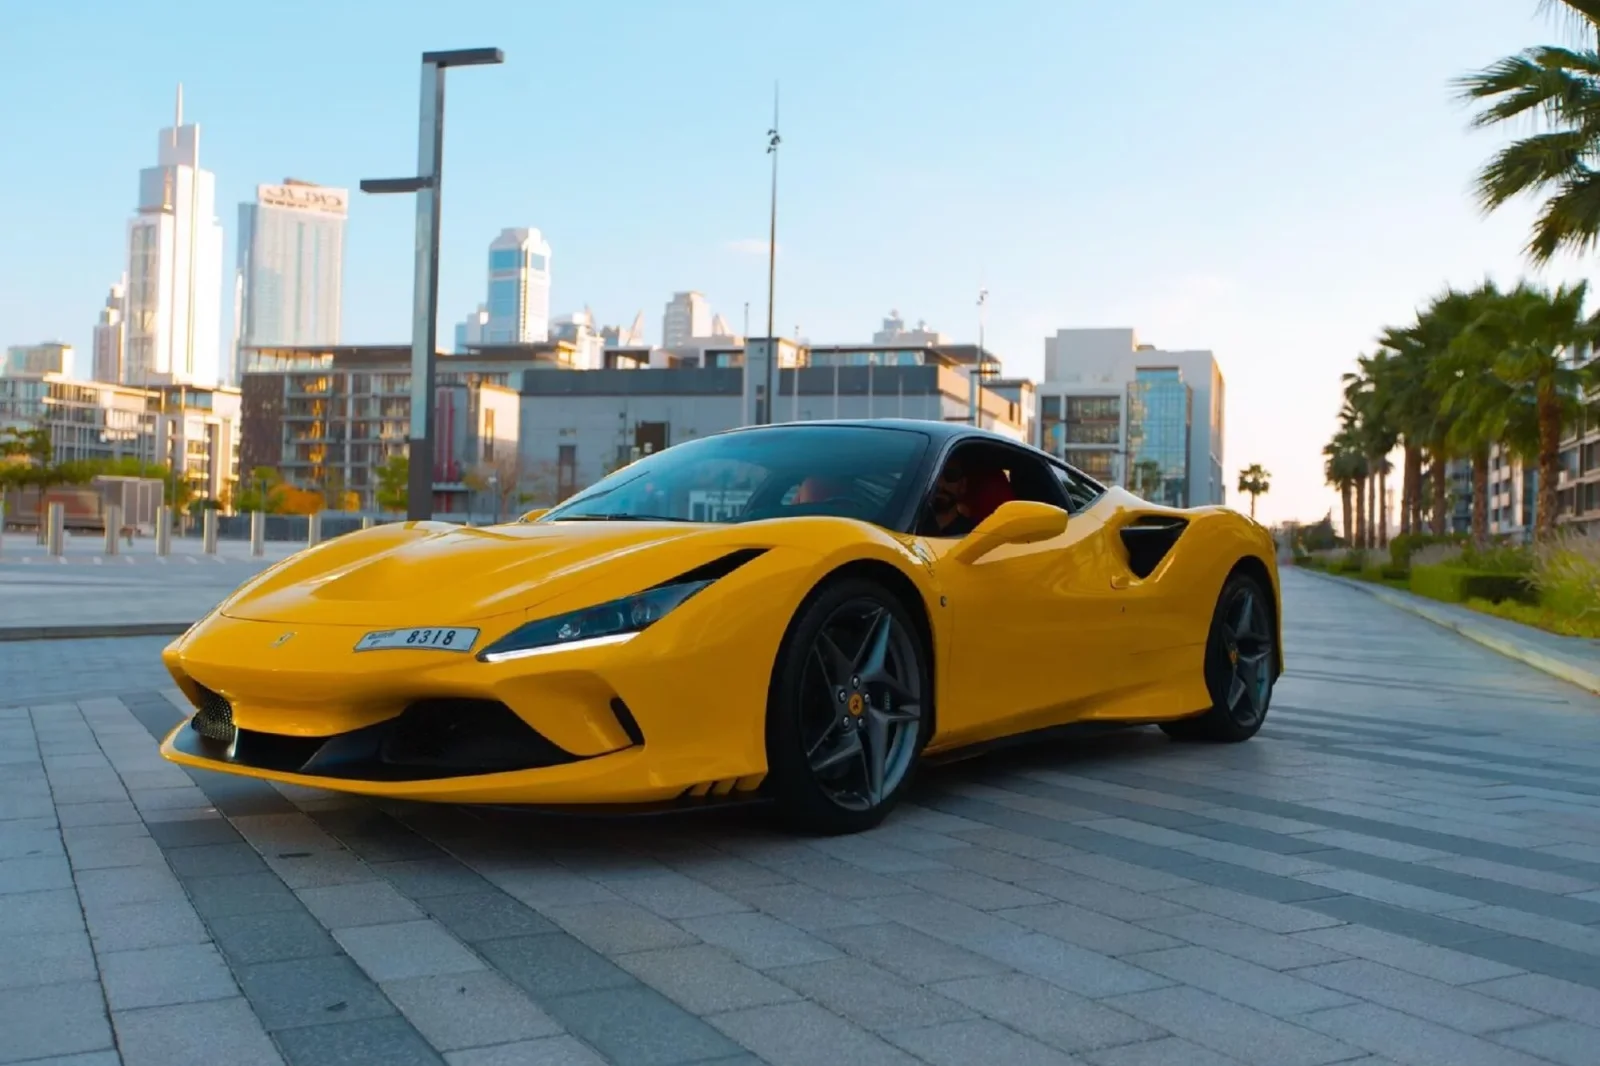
(435, 574)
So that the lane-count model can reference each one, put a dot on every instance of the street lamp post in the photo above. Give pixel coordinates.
(979, 370)
(773, 140)
(425, 297)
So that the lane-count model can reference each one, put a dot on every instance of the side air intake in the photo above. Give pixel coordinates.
(1149, 538)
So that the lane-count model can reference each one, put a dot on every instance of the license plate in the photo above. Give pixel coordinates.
(438, 638)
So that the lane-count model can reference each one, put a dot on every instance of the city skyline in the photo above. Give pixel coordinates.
(1278, 232)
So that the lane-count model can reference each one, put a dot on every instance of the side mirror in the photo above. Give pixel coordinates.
(1017, 522)
(529, 516)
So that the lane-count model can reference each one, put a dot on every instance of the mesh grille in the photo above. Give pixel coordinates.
(215, 717)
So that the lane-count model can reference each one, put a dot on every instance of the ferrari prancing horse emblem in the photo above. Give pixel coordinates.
(283, 639)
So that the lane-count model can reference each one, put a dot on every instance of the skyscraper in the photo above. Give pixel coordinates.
(290, 267)
(174, 304)
(108, 336)
(688, 316)
(519, 288)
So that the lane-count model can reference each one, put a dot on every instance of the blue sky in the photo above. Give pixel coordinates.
(1274, 181)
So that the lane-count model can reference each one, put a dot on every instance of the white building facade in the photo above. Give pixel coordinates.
(1135, 415)
(519, 288)
(289, 285)
(687, 316)
(174, 302)
(109, 336)
(36, 360)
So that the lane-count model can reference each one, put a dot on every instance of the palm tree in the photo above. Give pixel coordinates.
(1255, 481)
(1341, 469)
(1560, 89)
(1546, 335)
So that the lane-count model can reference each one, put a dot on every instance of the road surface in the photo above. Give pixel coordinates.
(1404, 867)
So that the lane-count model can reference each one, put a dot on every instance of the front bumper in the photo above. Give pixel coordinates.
(677, 712)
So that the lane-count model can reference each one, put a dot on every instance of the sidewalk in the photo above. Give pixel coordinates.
(1572, 659)
(86, 594)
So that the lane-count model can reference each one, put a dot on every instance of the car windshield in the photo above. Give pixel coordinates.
(857, 472)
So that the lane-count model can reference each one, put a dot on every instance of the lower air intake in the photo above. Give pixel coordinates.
(214, 720)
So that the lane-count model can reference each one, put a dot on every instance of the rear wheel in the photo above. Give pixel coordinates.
(1240, 666)
(848, 714)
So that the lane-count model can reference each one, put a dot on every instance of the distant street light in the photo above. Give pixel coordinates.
(425, 298)
(494, 489)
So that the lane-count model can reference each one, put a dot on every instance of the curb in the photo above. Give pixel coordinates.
(1588, 680)
(82, 632)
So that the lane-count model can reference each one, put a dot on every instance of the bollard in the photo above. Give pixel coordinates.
(57, 530)
(113, 528)
(208, 532)
(366, 521)
(313, 529)
(163, 530)
(258, 533)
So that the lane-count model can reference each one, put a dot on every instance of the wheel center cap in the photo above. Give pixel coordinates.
(1233, 656)
(856, 705)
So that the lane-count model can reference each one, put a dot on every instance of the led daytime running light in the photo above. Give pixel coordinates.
(607, 623)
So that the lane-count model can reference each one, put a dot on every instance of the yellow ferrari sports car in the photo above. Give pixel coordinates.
(796, 613)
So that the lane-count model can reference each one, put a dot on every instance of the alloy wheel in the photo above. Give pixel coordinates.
(861, 704)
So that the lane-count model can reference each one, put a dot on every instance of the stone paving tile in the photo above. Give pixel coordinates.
(705, 980)
(391, 1041)
(195, 1034)
(362, 903)
(53, 1019)
(1269, 991)
(550, 1051)
(1459, 1008)
(640, 1026)
(406, 949)
(468, 1010)
(805, 1034)
(163, 976)
(1047, 1013)
(1409, 1039)
(1563, 1042)
(1231, 1029)
(979, 1040)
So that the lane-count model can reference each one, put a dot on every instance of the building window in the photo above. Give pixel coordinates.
(535, 261)
(566, 469)
(488, 435)
(1159, 405)
(503, 298)
(505, 259)
(1094, 419)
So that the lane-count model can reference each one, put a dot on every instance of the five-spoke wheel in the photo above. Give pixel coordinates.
(848, 716)
(1241, 665)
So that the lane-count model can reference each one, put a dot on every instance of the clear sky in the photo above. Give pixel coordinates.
(1271, 179)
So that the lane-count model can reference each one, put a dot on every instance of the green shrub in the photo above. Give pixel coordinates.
(1457, 584)
(1352, 562)
(1502, 558)
(1395, 573)
(1402, 547)
(1567, 574)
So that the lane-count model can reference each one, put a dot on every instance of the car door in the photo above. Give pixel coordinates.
(1038, 632)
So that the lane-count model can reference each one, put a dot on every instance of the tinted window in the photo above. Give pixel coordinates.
(841, 471)
(1081, 492)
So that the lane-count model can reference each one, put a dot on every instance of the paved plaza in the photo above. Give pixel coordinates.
(1404, 867)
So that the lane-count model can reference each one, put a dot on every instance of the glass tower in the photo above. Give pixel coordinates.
(1159, 412)
(290, 279)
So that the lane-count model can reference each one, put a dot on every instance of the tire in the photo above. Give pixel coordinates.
(1241, 666)
(845, 689)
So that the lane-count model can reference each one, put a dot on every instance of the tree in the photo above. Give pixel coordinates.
(1342, 469)
(262, 491)
(1559, 89)
(393, 484)
(1254, 481)
(1544, 336)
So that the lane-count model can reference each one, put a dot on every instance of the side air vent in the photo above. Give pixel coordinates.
(214, 720)
(718, 568)
(1149, 538)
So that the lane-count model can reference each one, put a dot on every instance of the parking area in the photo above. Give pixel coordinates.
(1403, 867)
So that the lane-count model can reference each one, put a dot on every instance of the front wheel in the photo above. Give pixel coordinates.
(1240, 666)
(848, 714)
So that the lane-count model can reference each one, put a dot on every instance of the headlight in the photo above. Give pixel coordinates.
(609, 623)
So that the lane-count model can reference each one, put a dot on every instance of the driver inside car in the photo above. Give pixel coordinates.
(950, 515)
